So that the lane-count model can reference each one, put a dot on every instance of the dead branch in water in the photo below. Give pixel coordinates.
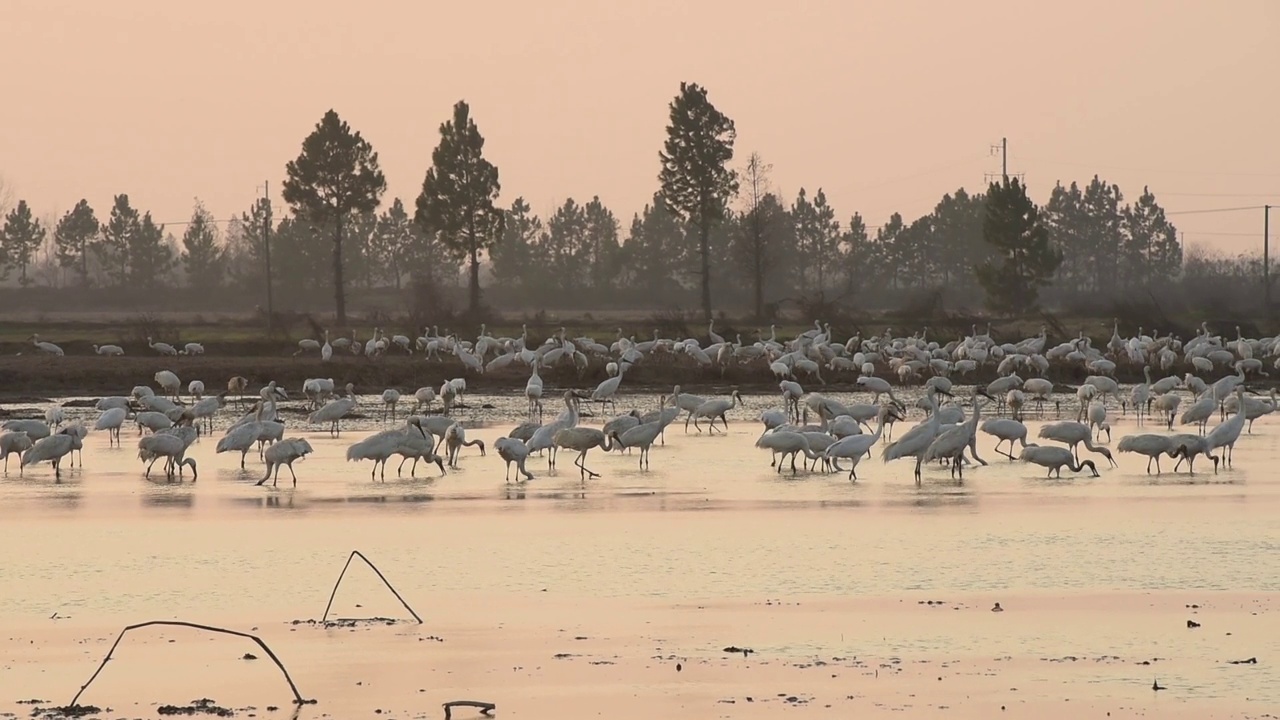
(486, 708)
(357, 554)
(297, 697)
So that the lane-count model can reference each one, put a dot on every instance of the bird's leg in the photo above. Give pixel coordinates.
(291, 472)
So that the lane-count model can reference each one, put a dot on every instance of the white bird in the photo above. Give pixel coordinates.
(110, 350)
(285, 453)
(854, 447)
(714, 409)
(877, 387)
(192, 348)
(242, 437)
(1055, 458)
(455, 438)
(515, 451)
(582, 439)
(784, 443)
(35, 429)
(1153, 446)
(606, 390)
(640, 436)
(46, 347)
(169, 383)
(1073, 434)
(111, 420)
(544, 437)
(1006, 430)
(14, 443)
(1226, 434)
(423, 398)
(170, 447)
(334, 411)
(389, 399)
(52, 449)
(54, 416)
(161, 347)
(533, 393)
(916, 440)
(326, 353)
(306, 345)
(378, 448)
(418, 446)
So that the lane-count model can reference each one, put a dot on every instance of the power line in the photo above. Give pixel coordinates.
(1216, 210)
(1048, 161)
(1225, 195)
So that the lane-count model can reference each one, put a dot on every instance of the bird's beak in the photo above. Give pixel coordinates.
(986, 395)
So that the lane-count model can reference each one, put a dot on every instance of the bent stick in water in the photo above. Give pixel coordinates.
(297, 697)
(357, 554)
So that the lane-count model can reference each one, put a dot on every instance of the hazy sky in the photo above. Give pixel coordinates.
(886, 105)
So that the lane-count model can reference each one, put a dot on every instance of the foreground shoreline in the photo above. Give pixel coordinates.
(1048, 655)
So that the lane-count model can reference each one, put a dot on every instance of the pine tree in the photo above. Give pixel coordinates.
(335, 175)
(202, 256)
(20, 238)
(697, 182)
(514, 258)
(458, 196)
(116, 237)
(1151, 248)
(73, 237)
(1024, 259)
(393, 243)
(151, 255)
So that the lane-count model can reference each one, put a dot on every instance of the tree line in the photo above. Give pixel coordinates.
(714, 229)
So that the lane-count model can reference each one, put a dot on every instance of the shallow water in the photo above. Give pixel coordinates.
(711, 547)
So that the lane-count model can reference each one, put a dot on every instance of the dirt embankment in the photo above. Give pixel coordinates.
(33, 375)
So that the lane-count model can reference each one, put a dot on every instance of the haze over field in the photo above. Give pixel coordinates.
(884, 106)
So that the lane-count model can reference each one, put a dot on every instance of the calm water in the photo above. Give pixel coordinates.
(710, 525)
(710, 519)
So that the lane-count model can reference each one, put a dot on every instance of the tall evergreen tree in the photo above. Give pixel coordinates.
(116, 237)
(335, 175)
(1024, 259)
(245, 250)
(73, 236)
(602, 248)
(957, 237)
(458, 196)
(394, 242)
(855, 253)
(1067, 222)
(202, 255)
(1151, 248)
(758, 245)
(513, 258)
(20, 238)
(1102, 234)
(151, 255)
(653, 247)
(563, 250)
(885, 259)
(697, 182)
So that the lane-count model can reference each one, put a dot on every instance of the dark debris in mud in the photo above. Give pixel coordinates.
(203, 706)
(66, 711)
(350, 622)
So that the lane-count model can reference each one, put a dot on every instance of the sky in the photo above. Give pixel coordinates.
(884, 105)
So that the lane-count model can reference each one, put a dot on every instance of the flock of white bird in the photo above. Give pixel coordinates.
(842, 433)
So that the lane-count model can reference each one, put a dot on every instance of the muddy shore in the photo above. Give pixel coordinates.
(35, 375)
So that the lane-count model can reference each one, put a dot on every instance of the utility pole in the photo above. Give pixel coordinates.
(1003, 150)
(266, 252)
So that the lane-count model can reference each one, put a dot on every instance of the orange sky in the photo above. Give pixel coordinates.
(884, 104)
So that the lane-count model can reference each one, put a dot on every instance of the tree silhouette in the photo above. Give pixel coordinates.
(112, 244)
(73, 236)
(759, 244)
(458, 195)
(602, 250)
(394, 241)
(1024, 260)
(202, 256)
(513, 259)
(21, 236)
(653, 248)
(1150, 247)
(336, 174)
(151, 254)
(697, 182)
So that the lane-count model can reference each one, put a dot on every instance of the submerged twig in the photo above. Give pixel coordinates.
(486, 708)
(297, 697)
(357, 554)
